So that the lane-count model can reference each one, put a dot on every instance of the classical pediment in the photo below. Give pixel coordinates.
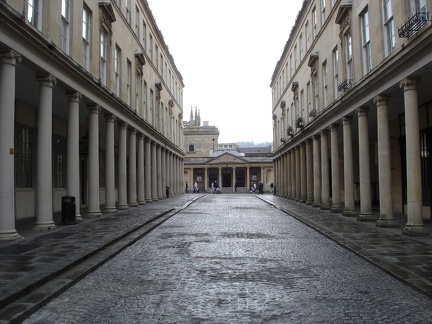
(227, 158)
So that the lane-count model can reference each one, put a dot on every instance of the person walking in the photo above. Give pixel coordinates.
(186, 187)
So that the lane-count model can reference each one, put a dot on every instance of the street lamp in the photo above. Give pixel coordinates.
(213, 144)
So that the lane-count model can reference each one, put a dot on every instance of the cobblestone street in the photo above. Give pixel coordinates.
(236, 259)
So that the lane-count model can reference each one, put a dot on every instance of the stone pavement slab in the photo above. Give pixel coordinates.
(43, 264)
(407, 258)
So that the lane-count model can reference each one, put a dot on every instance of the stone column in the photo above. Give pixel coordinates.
(386, 218)
(132, 174)
(93, 174)
(73, 171)
(148, 170)
(415, 225)
(288, 172)
(220, 177)
(325, 176)
(364, 162)
(122, 167)
(316, 171)
(163, 172)
(336, 190)
(141, 178)
(233, 175)
(303, 183)
(293, 175)
(309, 173)
(298, 174)
(206, 184)
(110, 206)
(159, 172)
(44, 205)
(248, 179)
(349, 209)
(154, 173)
(8, 61)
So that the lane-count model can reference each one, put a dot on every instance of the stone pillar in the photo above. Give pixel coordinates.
(336, 190)
(160, 194)
(288, 173)
(247, 179)
(309, 173)
(44, 205)
(325, 172)
(8, 61)
(415, 225)
(233, 175)
(132, 174)
(148, 170)
(220, 177)
(206, 184)
(316, 171)
(169, 174)
(122, 167)
(365, 182)
(386, 218)
(73, 157)
(164, 173)
(303, 182)
(140, 168)
(93, 172)
(110, 206)
(154, 173)
(298, 174)
(349, 209)
(293, 175)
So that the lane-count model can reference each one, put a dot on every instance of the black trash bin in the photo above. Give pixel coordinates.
(167, 191)
(68, 210)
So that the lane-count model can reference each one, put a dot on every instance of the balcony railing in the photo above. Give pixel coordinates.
(414, 24)
(346, 84)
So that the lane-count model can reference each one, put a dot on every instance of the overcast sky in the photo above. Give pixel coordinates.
(226, 51)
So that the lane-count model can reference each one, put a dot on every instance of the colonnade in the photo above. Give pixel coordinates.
(143, 172)
(303, 173)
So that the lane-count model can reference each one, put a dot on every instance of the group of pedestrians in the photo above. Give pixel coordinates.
(215, 187)
(260, 188)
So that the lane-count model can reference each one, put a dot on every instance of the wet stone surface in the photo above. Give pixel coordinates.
(236, 259)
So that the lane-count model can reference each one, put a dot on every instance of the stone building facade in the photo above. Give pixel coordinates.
(207, 160)
(352, 110)
(90, 107)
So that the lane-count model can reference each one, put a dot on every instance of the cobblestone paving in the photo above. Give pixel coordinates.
(236, 259)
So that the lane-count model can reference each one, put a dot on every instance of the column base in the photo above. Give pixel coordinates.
(349, 213)
(387, 223)
(316, 204)
(369, 217)
(155, 199)
(133, 204)
(309, 202)
(325, 207)
(415, 230)
(141, 202)
(79, 219)
(122, 207)
(148, 201)
(110, 210)
(336, 209)
(39, 227)
(94, 214)
(11, 235)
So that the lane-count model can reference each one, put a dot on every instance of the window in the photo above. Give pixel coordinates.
(301, 46)
(336, 72)
(144, 39)
(419, 6)
(301, 103)
(191, 148)
(308, 97)
(307, 35)
(295, 57)
(25, 146)
(34, 13)
(316, 91)
(137, 21)
(129, 82)
(287, 76)
(145, 101)
(161, 65)
(117, 66)
(150, 117)
(128, 11)
(65, 26)
(156, 56)
(291, 65)
(103, 57)
(150, 49)
(367, 55)
(86, 38)
(314, 23)
(118, 3)
(389, 35)
(137, 91)
(323, 13)
(348, 56)
(325, 83)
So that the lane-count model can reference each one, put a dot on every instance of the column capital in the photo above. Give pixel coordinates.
(334, 127)
(95, 109)
(123, 125)
(11, 55)
(409, 83)
(346, 120)
(46, 80)
(110, 118)
(74, 96)
(323, 133)
(132, 130)
(381, 99)
(362, 111)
